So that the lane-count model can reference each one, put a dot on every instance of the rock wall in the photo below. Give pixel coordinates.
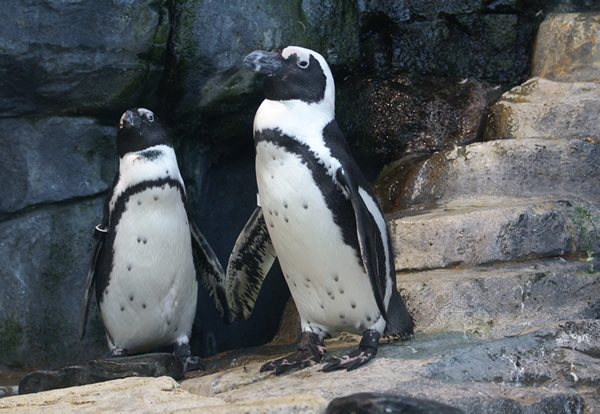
(69, 69)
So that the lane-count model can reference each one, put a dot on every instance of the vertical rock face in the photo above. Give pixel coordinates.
(61, 57)
(54, 159)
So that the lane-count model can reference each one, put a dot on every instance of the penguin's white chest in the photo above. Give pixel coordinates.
(326, 278)
(151, 296)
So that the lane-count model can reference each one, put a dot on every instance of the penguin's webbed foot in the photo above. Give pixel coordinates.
(310, 352)
(367, 349)
(190, 362)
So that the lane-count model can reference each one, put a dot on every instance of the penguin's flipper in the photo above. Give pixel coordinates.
(208, 270)
(371, 230)
(90, 278)
(249, 262)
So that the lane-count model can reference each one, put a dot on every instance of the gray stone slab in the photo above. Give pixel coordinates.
(487, 230)
(53, 159)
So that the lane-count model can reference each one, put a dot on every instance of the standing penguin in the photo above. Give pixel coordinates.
(318, 216)
(149, 254)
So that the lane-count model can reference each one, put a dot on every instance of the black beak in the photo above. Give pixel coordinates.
(263, 62)
(128, 120)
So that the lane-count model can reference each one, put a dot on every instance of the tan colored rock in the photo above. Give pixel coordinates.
(567, 48)
(130, 395)
(291, 404)
(541, 108)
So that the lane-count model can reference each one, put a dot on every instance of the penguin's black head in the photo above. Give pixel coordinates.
(139, 129)
(293, 73)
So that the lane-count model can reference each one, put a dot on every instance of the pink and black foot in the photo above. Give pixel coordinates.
(367, 349)
(310, 352)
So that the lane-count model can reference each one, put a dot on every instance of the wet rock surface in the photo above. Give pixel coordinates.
(394, 115)
(100, 370)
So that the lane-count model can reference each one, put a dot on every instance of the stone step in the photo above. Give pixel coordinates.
(484, 230)
(512, 338)
(541, 108)
(497, 301)
(516, 168)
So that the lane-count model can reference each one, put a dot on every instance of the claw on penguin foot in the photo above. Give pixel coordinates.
(310, 352)
(367, 349)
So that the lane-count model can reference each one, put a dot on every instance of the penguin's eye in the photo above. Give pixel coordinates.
(150, 117)
(303, 63)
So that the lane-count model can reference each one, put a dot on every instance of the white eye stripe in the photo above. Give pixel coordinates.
(146, 113)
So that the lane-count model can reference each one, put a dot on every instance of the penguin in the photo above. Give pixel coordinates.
(317, 215)
(149, 255)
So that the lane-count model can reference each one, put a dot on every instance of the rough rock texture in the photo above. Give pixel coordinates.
(495, 229)
(77, 57)
(540, 107)
(395, 115)
(132, 395)
(501, 168)
(510, 338)
(568, 48)
(99, 370)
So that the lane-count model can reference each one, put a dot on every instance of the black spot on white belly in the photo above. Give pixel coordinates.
(168, 322)
(129, 267)
(305, 205)
(285, 204)
(139, 202)
(342, 316)
(131, 298)
(368, 318)
(155, 198)
(145, 240)
(122, 308)
(353, 304)
(144, 305)
(276, 213)
(341, 291)
(286, 219)
(167, 172)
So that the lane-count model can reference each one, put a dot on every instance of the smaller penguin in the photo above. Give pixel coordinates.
(149, 255)
(318, 216)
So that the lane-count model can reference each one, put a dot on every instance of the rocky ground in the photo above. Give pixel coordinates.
(521, 338)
